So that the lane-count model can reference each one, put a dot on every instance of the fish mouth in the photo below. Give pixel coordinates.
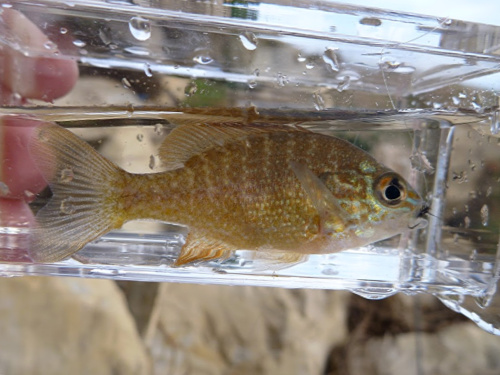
(420, 221)
(424, 210)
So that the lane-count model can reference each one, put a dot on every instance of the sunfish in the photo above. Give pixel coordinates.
(235, 186)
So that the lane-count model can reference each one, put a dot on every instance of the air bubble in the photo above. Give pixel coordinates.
(67, 175)
(301, 58)
(456, 100)
(330, 57)
(252, 83)
(140, 137)
(63, 30)
(140, 28)
(249, 40)
(484, 215)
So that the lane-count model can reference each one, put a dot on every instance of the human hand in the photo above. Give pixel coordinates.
(24, 77)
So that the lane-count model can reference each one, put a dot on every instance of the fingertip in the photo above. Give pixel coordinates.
(19, 175)
(53, 78)
(44, 78)
(18, 219)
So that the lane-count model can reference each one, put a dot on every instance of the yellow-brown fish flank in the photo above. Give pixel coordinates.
(235, 187)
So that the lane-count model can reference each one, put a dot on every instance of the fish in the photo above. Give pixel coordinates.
(275, 189)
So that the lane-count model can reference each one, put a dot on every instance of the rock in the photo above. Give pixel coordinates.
(245, 330)
(67, 326)
(459, 349)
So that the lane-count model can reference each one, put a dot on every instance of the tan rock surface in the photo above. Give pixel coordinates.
(460, 349)
(67, 326)
(245, 330)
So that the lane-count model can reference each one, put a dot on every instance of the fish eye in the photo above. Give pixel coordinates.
(390, 189)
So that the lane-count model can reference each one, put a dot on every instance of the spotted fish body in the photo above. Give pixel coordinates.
(251, 187)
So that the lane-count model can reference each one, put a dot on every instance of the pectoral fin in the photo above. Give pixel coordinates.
(200, 247)
(333, 217)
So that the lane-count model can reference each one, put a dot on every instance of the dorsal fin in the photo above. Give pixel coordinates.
(188, 140)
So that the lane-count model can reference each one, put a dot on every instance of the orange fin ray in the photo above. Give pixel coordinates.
(199, 247)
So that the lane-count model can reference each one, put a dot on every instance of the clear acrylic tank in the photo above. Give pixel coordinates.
(418, 93)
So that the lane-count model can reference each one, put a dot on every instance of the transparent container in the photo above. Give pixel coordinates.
(418, 93)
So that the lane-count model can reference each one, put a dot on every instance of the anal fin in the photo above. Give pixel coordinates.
(199, 247)
(277, 260)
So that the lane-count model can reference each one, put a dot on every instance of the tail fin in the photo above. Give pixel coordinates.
(85, 189)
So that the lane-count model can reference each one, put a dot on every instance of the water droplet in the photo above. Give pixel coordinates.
(456, 100)
(330, 57)
(67, 175)
(370, 21)
(140, 137)
(191, 88)
(256, 72)
(154, 162)
(159, 129)
(137, 50)
(203, 59)
(79, 43)
(390, 66)
(310, 65)
(249, 40)
(344, 83)
(4, 189)
(319, 102)
(252, 83)
(467, 222)
(489, 191)
(147, 70)
(282, 79)
(436, 105)
(460, 177)
(105, 35)
(140, 28)
(126, 83)
(495, 123)
(300, 58)
(420, 162)
(67, 206)
(29, 194)
(462, 95)
(484, 215)
(50, 45)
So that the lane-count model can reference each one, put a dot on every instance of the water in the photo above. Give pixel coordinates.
(143, 70)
